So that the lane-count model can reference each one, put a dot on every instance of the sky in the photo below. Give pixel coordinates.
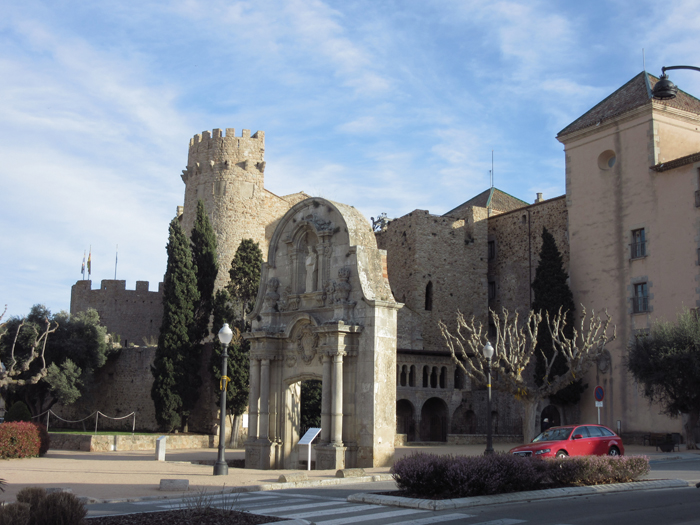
(389, 106)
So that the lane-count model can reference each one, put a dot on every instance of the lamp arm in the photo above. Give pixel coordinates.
(669, 68)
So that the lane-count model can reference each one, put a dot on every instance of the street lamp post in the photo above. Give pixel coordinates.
(664, 88)
(225, 336)
(488, 354)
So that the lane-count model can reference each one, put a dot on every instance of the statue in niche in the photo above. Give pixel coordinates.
(271, 297)
(311, 260)
(342, 287)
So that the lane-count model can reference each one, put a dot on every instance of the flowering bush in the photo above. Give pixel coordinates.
(429, 476)
(21, 440)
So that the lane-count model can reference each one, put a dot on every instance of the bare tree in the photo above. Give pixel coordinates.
(11, 375)
(515, 348)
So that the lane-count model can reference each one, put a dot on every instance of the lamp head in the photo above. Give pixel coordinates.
(488, 350)
(225, 334)
(664, 89)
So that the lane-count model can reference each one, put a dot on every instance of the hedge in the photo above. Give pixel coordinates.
(430, 476)
(21, 440)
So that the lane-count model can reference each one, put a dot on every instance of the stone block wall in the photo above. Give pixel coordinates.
(132, 314)
(436, 265)
(517, 241)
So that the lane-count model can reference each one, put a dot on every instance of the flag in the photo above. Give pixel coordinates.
(82, 268)
(90, 262)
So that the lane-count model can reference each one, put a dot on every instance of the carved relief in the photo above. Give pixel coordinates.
(328, 291)
(307, 344)
(288, 301)
(271, 297)
(342, 287)
(319, 223)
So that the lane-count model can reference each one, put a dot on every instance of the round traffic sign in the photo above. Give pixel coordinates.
(599, 393)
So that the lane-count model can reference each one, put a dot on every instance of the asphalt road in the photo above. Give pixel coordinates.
(328, 506)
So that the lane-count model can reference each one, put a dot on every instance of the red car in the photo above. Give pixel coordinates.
(574, 440)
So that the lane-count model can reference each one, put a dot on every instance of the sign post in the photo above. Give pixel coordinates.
(307, 440)
(599, 396)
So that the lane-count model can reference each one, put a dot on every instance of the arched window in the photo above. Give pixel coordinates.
(412, 376)
(443, 377)
(429, 296)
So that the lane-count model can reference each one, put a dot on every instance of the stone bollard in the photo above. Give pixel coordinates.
(174, 485)
(293, 476)
(160, 448)
(350, 473)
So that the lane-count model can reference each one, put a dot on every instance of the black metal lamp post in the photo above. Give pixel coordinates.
(488, 354)
(664, 88)
(225, 336)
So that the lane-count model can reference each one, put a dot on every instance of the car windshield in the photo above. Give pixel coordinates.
(554, 434)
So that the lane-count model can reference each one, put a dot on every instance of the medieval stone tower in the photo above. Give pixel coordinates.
(227, 173)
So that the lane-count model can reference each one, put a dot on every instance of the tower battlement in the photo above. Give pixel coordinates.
(208, 149)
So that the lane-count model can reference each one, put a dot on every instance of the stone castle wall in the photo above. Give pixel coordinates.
(132, 314)
(439, 256)
(122, 386)
(517, 238)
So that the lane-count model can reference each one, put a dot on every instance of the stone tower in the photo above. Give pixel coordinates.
(227, 173)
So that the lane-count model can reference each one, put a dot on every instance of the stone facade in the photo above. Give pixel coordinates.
(324, 311)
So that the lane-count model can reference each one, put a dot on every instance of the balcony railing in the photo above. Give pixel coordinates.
(640, 304)
(638, 249)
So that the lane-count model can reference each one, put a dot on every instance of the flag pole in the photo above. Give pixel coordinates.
(116, 259)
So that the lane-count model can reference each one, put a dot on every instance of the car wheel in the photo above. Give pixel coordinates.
(614, 451)
(561, 454)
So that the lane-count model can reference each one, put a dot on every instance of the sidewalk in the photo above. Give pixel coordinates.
(136, 474)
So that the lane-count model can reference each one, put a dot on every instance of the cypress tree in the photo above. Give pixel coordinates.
(230, 306)
(205, 259)
(551, 293)
(172, 391)
(245, 276)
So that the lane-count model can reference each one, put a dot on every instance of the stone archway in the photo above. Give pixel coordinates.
(324, 311)
(433, 420)
(551, 413)
(405, 419)
(463, 420)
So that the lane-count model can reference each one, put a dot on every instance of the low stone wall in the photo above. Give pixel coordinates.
(480, 439)
(106, 443)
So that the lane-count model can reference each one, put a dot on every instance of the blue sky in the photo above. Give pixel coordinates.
(386, 105)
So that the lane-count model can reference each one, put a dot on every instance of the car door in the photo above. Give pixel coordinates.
(582, 445)
(598, 442)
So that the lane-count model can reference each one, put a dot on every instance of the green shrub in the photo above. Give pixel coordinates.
(426, 475)
(31, 495)
(18, 412)
(58, 508)
(19, 440)
(14, 514)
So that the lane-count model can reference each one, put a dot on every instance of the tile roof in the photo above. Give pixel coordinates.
(677, 163)
(636, 93)
(498, 200)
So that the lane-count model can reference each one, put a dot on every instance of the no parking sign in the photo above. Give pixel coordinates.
(599, 393)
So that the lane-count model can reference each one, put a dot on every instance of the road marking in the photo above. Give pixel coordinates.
(342, 510)
(218, 501)
(506, 521)
(373, 516)
(298, 506)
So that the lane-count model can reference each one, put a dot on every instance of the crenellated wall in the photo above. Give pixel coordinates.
(134, 315)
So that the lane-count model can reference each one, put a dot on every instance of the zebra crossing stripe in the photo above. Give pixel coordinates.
(218, 501)
(373, 516)
(297, 506)
(342, 510)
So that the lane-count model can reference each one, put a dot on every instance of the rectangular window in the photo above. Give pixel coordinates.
(492, 250)
(639, 248)
(492, 290)
(640, 301)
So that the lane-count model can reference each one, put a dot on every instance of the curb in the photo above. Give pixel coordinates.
(516, 497)
(264, 487)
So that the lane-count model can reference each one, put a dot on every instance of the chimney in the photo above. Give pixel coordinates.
(539, 198)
